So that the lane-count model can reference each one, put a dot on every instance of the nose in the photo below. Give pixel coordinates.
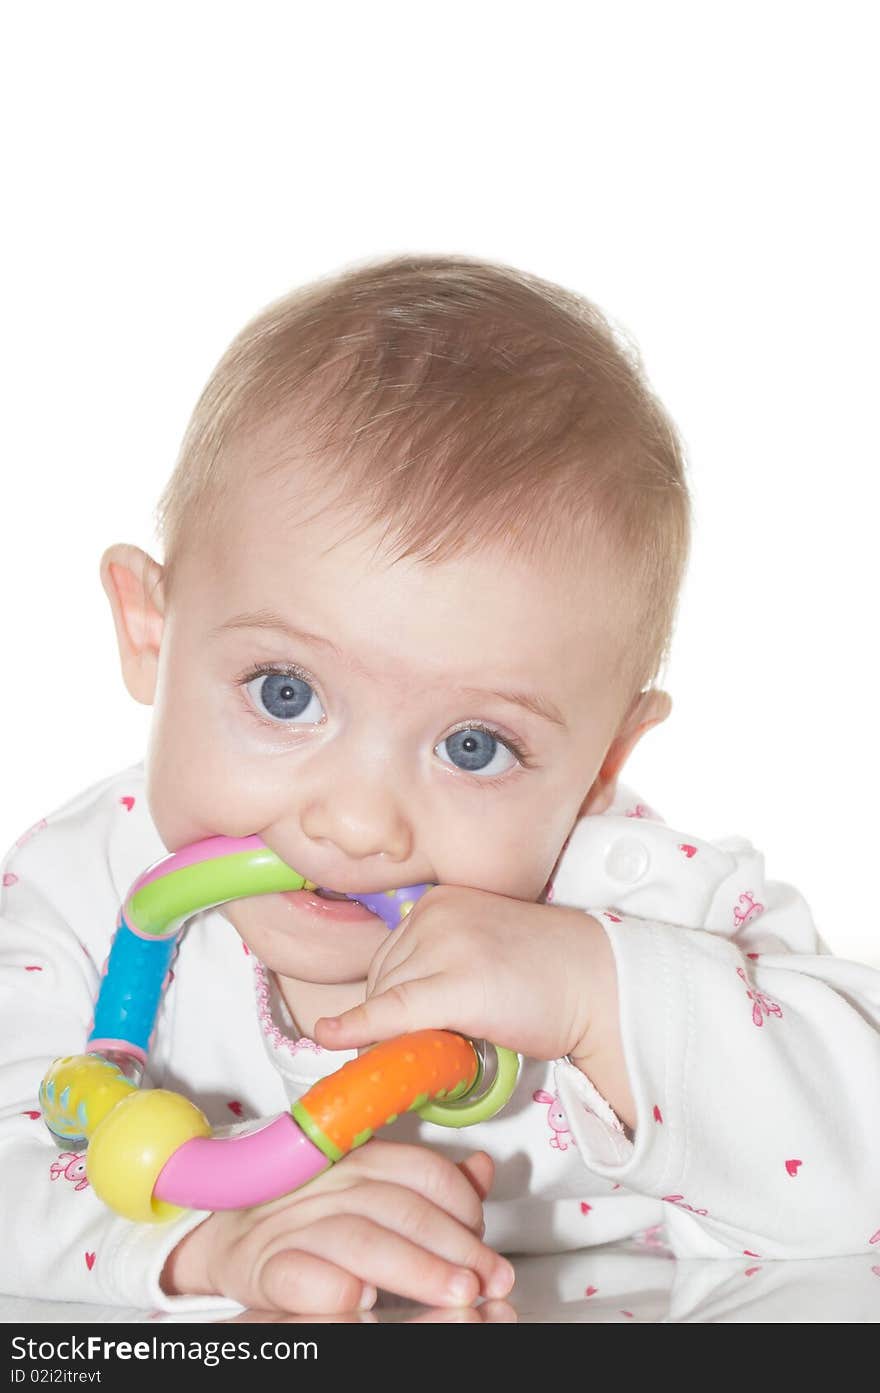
(356, 817)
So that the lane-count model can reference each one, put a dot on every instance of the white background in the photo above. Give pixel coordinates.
(706, 173)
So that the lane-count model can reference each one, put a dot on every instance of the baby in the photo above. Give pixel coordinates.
(422, 554)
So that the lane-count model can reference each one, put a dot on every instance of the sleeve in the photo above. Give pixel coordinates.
(753, 1054)
(60, 1241)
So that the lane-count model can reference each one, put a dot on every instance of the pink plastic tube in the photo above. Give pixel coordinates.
(237, 1172)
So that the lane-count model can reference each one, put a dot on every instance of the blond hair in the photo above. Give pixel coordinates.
(458, 403)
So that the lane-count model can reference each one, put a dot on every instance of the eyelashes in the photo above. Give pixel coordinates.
(297, 697)
(291, 691)
(508, 741)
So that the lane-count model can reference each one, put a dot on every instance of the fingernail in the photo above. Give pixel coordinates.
(502, 1279)
(461, 1287)
(369, 1296)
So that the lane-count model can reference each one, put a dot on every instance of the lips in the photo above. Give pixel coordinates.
(330, 911)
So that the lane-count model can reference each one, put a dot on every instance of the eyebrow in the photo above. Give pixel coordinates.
(530, 701)
(269, 620)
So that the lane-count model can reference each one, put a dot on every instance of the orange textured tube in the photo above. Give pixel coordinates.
(343, 1111)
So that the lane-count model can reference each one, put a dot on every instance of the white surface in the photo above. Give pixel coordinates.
(628, 1286)
(702, 172)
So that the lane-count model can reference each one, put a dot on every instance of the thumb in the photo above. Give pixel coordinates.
(480, 1171)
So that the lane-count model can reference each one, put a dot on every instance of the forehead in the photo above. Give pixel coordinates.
(290, 547)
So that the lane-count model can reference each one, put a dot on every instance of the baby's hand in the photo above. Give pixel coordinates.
(388, 1216)
(523, 975)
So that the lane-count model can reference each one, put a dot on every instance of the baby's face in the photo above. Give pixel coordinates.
(377, 724)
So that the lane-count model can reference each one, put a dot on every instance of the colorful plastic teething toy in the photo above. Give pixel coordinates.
(151, 1154)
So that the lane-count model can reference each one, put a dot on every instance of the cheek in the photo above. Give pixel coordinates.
(197, 785)
(511, 856)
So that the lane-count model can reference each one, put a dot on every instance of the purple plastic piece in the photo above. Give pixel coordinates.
(389, 903)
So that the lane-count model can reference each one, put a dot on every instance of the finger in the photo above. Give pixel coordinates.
(480, 1171)
(497, 1313)
(421, 1004)
(304, 1283)
(285, 1318)
(410, 1215)
(452, 1315)
(417, 1168)
(376, 1251)
(405, 1212)
(391, 954)
(486, 1313)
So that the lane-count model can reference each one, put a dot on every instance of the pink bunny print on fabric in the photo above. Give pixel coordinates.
(752, 908)
(70, 1165)
(761, 1005)
(557, 1121)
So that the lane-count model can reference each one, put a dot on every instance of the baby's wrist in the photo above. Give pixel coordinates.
(592, 977)
(598, 1052)
(185, 1272)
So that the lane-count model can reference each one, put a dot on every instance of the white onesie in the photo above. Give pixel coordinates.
(753, 1054)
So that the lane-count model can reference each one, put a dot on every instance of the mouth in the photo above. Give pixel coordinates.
(329, 906)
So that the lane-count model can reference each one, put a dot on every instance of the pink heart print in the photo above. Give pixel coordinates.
(793, 1166)
(235, 1107)
(591, 1291)
(688, 850)
(90, 1260)
(658, 1116)
(127, 802)
(585, 1208)
(10, 878)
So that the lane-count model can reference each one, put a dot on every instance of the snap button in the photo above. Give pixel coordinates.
(627, 860)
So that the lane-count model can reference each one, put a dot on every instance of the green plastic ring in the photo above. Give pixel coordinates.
(469, 1110)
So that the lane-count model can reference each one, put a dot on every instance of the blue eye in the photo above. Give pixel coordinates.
(477, 751)
(285, 697)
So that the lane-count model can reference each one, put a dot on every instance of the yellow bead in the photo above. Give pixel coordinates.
(131, 1146)
(79, 1091)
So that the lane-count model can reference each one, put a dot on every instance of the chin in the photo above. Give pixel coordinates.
(309, 955)
(320, 963)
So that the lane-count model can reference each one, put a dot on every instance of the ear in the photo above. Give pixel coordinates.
(133, 582)
(647, 710)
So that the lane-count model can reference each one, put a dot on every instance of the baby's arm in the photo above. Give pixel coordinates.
(391, 1215)
(752, 1054)
(60, 1241)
